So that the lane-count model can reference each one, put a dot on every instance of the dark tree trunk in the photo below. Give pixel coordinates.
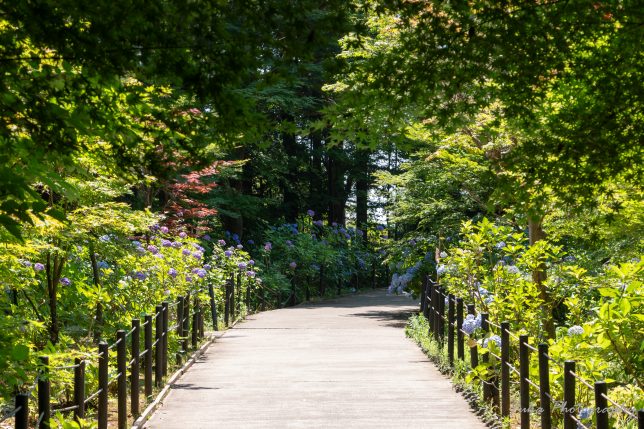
(536, 233)
(363, 182)
(96, 275)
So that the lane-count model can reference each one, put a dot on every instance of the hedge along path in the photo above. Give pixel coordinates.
(339, 363)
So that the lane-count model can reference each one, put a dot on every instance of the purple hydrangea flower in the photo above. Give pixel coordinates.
(221, 242)
(250, 273)
(166, 243)
(153, 249)
(207, 267)
(201, 273)
(268, 246)
(172, 272)
(164, 230)
(188, 278)
(251, 262)
(380, 227)
(38, 266)
(177, 244)
(251, 242)
(206, 237)
(241, 265)
(141, 275)
(182, 234)
(318, 223)
(140, 249)
(239, 246)
(26, 263)
(334, 224)
(293, 265)
(197, 255)
(136, 243)
(186, 252)
(310, 212)
(228, 253)
(65, 281)
(289, 243)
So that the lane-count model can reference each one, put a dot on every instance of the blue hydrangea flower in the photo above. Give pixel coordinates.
(186, 252)
(334, 224)
(293, 265)
(207, 267)
(240, 246)
(166, 243)
(136, 243)
(177, 244)
(500, 245)
(441, 269)
(318, 223)
(172, 272)
(38, 266)
(575, 330)
(102, 264)
(153, 249)
(310, 212)
(443, 254)
(251, 242)
(380, 227)
(206, 237)
(65, 281)
(236, 238)
(241, 265)
(494, 338)
(26, 263)
(104, 238)
(141, 275)
(201, 273)
(471, 324)
(585, 413)
(188, 278)
(197, 255)
(512, 269)
(228, 253)
(140, 249)
(251, 262)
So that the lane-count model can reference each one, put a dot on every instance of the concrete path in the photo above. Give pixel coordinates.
(343, 363)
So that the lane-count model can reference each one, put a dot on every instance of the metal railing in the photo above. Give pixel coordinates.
(449, 327)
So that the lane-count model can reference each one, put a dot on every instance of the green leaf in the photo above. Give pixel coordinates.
(20, 352)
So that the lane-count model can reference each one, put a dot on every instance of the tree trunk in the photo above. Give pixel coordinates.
(536, 234)
(96, 276)
(363, 181)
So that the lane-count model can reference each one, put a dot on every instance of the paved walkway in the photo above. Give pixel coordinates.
(342, 363)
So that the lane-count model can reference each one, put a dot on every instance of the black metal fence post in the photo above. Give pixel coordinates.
(569, 395)
(640, 419)
(158, 348)
(121, 382)
(164, 341)
(195, 327)
(474, 351)
(186, 321)
(79, 388)
(505, 369)
(423, 292)
(136, 365)
(487, 383)
(147, 360)
(22, 415)
(524, 385)
(544, 386)
(227, 303)
(441, 315)
(44, 393)
(213, 307)
(180, 316)
(103, 362)
(460, 339)
(430, 306)
(450, 330)
(601, 405)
